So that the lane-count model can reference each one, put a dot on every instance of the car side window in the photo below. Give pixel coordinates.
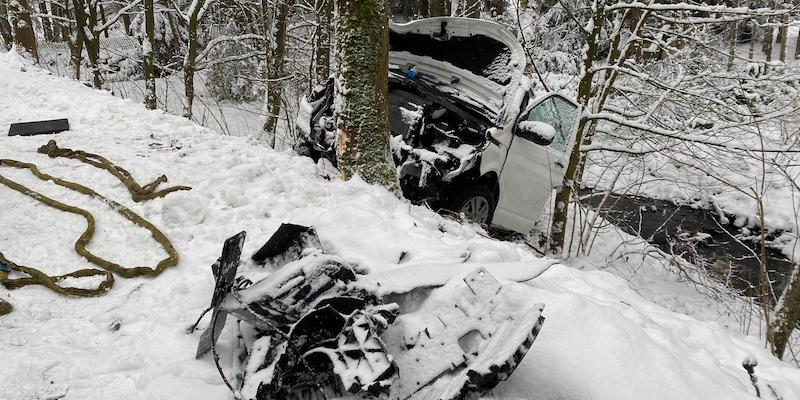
(560, 114)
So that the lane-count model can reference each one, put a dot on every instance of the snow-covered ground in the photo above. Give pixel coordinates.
(604, 338)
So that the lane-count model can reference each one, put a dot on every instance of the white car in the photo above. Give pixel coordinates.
(468, 133)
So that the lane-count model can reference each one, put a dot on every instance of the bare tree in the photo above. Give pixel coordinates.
(149, 56)
(362, 50)
(619, 29)
(57, 11)
(769, 39)
(783, 33)
(193, 16)
(74, 37)
(275, 70)
(46, 25)
(86, 13)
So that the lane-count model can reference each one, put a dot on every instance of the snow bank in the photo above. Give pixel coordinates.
(601, 340)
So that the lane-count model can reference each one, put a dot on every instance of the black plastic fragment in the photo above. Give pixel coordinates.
(225, 275)
(226, 266)
(39, 127)
(285, 238)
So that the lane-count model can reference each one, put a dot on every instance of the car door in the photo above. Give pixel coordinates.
(531, 170)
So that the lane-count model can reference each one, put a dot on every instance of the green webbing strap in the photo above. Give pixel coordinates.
(138, 193)
(36, 277)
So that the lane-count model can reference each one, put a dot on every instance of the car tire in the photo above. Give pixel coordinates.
(476, 202)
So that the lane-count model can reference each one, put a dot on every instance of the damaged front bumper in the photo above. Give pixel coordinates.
(315, 328)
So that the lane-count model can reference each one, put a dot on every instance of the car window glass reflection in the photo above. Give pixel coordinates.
(560, 114)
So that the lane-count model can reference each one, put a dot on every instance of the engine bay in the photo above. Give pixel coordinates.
(434, 138)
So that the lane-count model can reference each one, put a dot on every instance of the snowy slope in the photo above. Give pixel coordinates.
(601, 340)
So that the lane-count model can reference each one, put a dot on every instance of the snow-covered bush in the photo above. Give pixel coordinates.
(229, 78)
(171, 35)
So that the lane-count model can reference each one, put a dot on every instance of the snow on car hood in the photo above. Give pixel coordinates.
(477, 61)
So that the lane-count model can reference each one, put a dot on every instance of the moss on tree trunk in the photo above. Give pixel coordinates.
(362, 54)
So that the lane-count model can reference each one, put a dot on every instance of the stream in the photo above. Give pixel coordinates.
(697, 235)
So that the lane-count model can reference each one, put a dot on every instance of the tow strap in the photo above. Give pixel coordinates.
(109, 268)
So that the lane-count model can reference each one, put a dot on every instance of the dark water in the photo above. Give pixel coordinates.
(676, 229)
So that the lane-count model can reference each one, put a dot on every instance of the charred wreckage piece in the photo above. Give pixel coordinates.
(314, 329)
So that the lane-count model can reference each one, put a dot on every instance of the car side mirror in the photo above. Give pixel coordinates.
(537, 132)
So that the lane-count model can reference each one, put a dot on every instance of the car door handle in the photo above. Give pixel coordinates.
(559, 164)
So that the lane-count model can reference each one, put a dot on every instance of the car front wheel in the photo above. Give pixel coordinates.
(476, 203)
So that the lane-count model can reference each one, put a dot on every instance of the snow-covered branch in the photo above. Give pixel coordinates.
(213, 43)
(114, 18)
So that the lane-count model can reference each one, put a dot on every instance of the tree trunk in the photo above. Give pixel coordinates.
(786, 315)
(439, 8)
(797, 48)
(126, 24)
(19, 16)
(91, 43)
(176, 34)
(47, 27)
(768, 40)
(275, 71)
(103, 19)
(57, 9)
(734, 38)
(362, 51)
(783, 36)
(424, 8)
(190, 66)
(574, 171)
(75, 43)
(753, 40)
(5, 28)
(324, 32)
(149, 56)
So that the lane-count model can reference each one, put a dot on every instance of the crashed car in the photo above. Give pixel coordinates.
(468, 134)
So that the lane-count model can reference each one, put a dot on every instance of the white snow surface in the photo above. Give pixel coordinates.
(600, 340)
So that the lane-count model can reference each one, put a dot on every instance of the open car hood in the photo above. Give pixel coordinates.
(477, 61)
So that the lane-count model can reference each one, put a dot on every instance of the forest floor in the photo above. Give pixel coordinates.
(617, 327)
